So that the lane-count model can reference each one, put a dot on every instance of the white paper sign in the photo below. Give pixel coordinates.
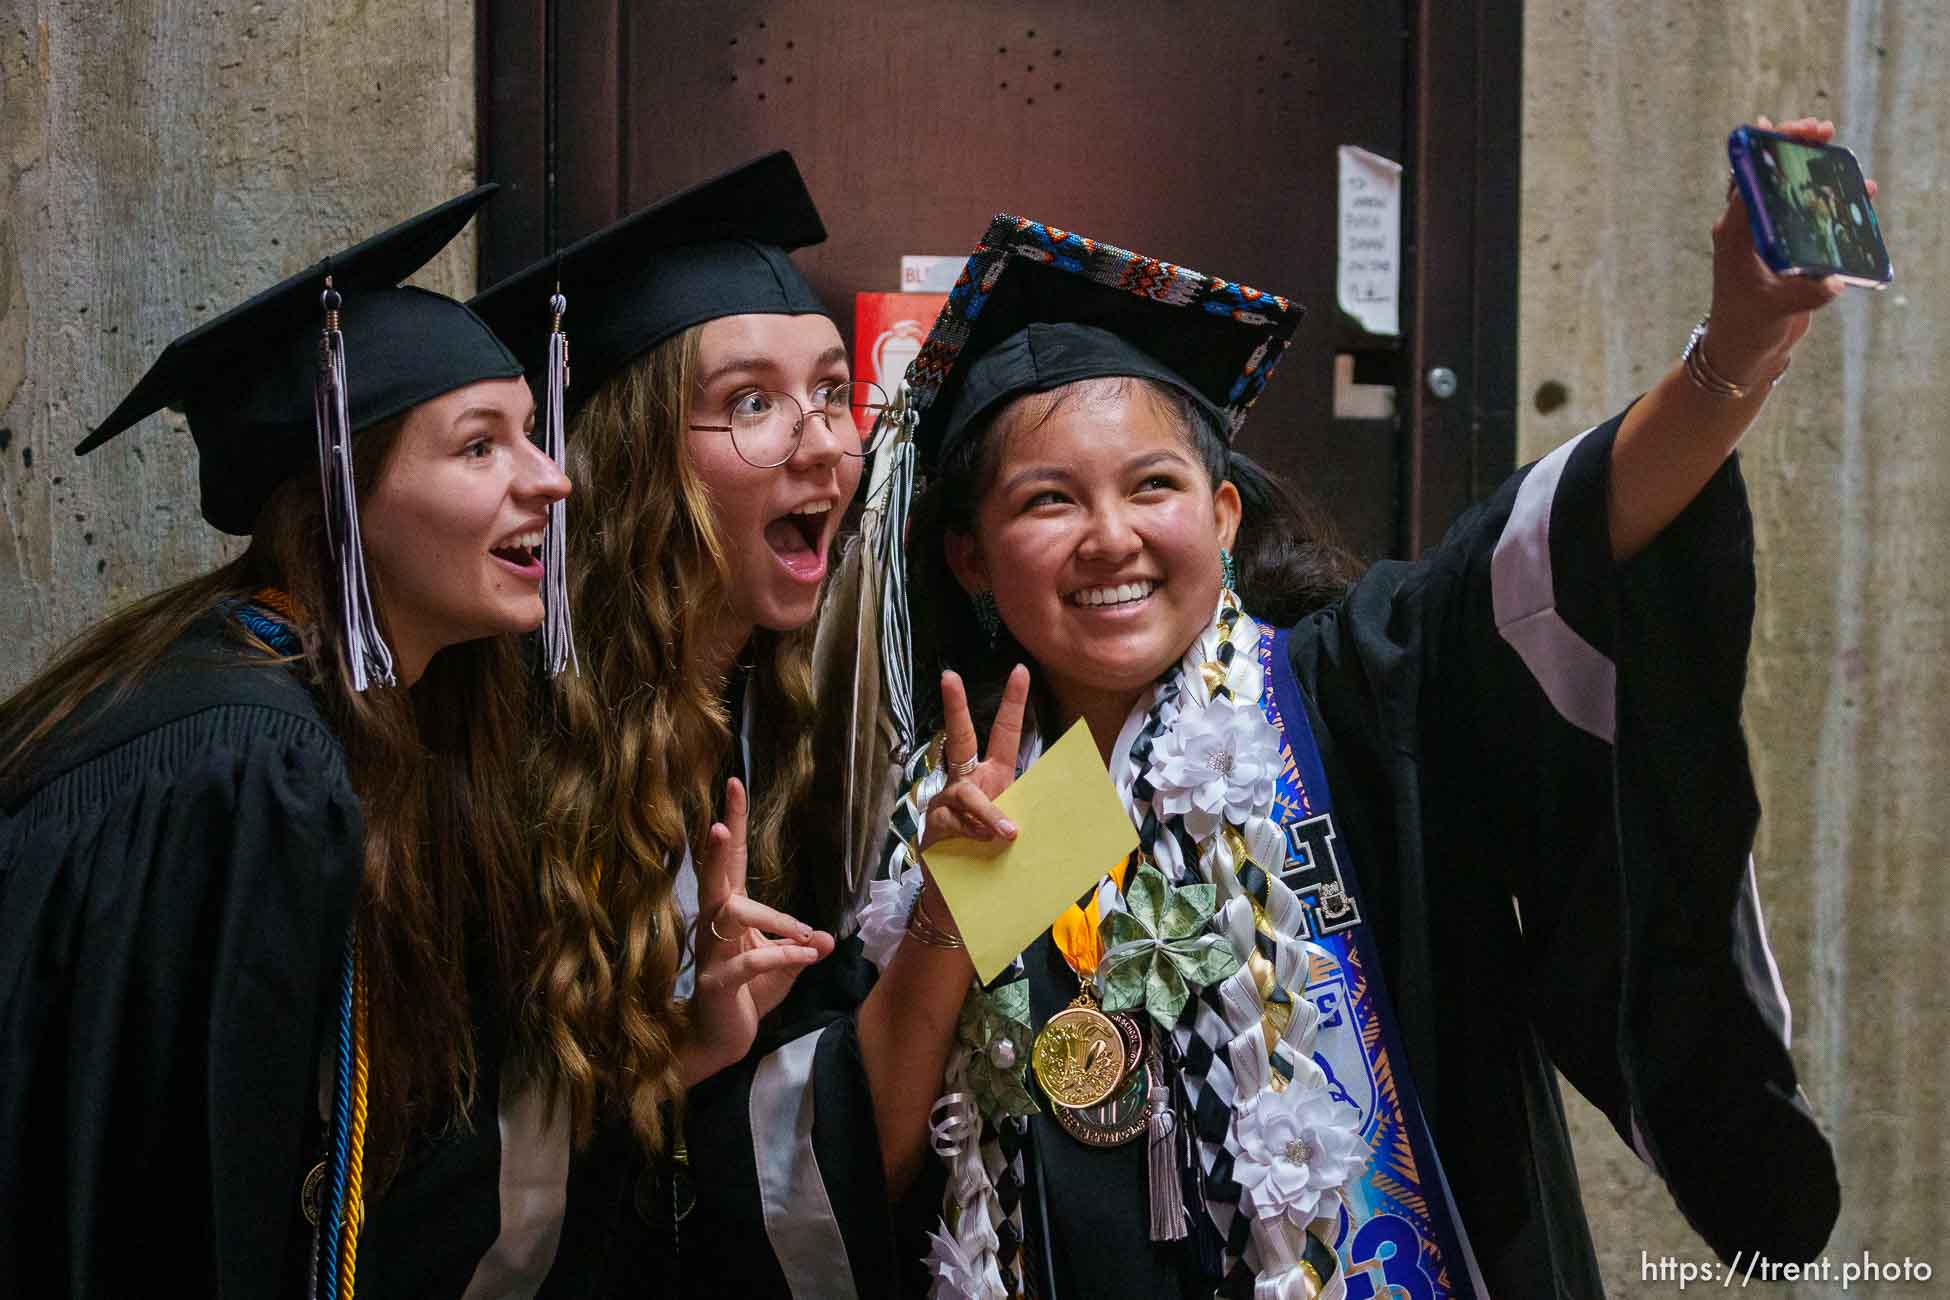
(1370, 281)
(921, 274)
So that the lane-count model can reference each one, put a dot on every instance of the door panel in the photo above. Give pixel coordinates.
(1203, 135)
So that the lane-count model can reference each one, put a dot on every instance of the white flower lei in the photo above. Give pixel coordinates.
(1215, 774)
(1281, 1200)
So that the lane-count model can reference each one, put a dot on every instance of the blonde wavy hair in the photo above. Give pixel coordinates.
(630, 763)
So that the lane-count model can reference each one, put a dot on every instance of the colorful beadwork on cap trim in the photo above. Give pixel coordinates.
(1106, 264)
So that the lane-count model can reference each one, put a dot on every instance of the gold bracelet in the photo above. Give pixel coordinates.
(1705, 377)
(925, 928)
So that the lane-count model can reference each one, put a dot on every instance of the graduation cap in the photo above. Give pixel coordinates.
(1037, 307)
(717, 249)
(285, 379)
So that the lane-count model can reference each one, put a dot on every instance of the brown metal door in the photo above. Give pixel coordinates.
(1204, 134)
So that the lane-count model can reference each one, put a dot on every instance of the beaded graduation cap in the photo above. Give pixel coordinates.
(717, 249)
(1037, 307)
(1217, 340)
(293, 373)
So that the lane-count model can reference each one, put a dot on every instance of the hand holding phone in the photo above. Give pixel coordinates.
(1809, 207)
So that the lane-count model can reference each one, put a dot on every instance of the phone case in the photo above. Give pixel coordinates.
(1771, 243)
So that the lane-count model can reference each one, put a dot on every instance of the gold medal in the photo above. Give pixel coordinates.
(1079, 1056)
(1127, 1025)
(1119, 1119)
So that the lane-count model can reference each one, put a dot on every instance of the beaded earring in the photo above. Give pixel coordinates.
(988, 615)
(1227, 574)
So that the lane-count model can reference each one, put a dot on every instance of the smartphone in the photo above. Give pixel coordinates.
(1809, 207)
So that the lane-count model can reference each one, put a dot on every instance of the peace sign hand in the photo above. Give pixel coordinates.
(966, 805)
(742, 970)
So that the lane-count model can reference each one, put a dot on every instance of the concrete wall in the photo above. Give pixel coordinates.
(160, 161)
(1848, 706)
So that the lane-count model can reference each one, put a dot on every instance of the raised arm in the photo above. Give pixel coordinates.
(1675, 439)
(907, 1024)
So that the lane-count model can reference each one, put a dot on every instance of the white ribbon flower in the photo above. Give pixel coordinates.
(958, 1272)
(1293, 1151)
(1214, 764)
(883, 921)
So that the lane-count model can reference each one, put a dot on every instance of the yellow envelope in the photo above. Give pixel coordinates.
(1071, 829)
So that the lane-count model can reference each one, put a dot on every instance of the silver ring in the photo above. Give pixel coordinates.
(713, 927)
(964, 768)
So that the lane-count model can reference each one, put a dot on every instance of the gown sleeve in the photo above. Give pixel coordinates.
(1574, 729)
(172, 917)
(784, 1155)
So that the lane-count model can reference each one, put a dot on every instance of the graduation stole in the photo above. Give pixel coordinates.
(1308, 1160)
(1394, 1233)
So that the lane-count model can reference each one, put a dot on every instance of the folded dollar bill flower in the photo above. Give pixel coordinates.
(994, 1027)
(1157, 949)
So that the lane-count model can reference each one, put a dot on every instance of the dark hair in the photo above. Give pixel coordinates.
(1288, 558)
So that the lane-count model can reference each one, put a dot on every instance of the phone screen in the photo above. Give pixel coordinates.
(1818, 209)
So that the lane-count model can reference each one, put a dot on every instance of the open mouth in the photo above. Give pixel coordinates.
(1114, 596)
(798, 538)
(523, 552)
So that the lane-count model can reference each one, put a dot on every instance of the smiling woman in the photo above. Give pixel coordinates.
(264, 904)
(455, 523)
(1409, 840)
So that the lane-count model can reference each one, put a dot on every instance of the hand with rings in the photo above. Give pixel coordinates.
(748, 954)
(966, 805)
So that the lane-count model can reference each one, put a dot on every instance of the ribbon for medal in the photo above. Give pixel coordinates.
(1082, 1056)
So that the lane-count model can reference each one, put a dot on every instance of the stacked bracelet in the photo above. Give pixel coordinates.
(1704, 376)
(922, 925)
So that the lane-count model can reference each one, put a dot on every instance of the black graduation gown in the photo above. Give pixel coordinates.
(1543, 792)
(176, 883)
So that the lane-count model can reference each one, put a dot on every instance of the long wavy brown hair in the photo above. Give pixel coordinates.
(435, 770)
(631, 764)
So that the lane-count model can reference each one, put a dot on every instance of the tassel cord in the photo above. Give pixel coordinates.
(558, 631)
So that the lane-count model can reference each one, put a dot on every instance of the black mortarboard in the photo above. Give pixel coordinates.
(246, 379)
(717, 249)
(1037, 307)
(288, 378)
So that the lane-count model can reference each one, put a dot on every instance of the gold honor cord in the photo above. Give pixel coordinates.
(355, 1168)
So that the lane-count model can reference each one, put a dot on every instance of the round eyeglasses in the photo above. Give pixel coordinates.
(765, 427)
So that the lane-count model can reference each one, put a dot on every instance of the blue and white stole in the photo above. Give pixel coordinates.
(1398, 1234)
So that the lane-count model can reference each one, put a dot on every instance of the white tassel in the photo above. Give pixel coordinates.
(366, 652)
(558, 632)
(896, 633)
